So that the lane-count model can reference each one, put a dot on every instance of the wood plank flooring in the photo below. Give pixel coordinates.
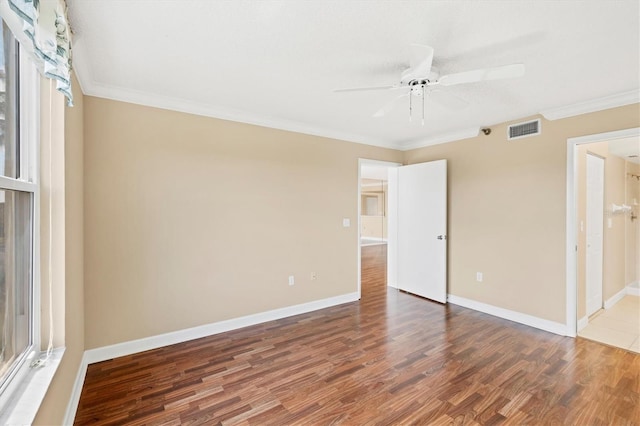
(391, 358)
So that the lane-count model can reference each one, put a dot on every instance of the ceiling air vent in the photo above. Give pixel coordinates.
(522, 130)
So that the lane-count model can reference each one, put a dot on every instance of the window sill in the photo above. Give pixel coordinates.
(24, 405)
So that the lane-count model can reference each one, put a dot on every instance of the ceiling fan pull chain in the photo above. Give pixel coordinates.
(423, 105)
(410, 107)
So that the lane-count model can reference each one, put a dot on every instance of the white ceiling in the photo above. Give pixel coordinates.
(275, 63)
(626, 148)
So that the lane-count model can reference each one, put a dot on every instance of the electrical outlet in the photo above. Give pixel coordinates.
(292, 280)
(314, 276)
(479, 277)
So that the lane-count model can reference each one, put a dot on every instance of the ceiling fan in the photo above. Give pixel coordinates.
(421, 80)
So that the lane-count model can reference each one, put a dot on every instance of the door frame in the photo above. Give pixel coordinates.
(361, 162)
(572, 220)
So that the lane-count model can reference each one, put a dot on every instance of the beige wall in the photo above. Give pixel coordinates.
(614, 236)
(507, 212)
(68, 239)
(374, 226)
(191, 220)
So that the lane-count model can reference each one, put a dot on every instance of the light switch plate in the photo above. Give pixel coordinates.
(346, 222)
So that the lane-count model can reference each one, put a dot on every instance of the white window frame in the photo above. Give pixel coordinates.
(27, 181)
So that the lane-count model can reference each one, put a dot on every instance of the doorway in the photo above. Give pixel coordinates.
(373, 220)
(603, 238)
(410, 225)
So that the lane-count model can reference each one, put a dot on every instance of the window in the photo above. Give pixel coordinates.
(18, 190)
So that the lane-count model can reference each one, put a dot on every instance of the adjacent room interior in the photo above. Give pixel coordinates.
(608, 242)
(373, 223)
(319, 212)
(373, 205)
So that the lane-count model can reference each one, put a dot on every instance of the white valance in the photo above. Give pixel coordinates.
(42, 28)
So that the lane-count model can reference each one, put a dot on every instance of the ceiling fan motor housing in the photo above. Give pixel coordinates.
(407, 77)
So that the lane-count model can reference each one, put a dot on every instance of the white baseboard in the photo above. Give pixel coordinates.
(633, 289)
(72, 405)
(134, 346)
(608, 304)
(540, 323)
(583, 322)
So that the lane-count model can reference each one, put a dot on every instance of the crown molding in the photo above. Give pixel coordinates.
(181, 105)
(467, 133)
(600, 104)
(90, 87)
(607, 136)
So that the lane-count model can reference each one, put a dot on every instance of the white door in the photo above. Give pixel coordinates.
(417, 245)
(595, 225)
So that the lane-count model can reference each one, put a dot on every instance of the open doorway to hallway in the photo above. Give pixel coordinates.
(373, 205)
(607, 176)
(373, 202)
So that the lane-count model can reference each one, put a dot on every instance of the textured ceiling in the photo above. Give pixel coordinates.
(627, 149)
(275, 63)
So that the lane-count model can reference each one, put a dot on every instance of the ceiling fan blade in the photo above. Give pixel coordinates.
(447, 100)
(364, 89)
(497, 73)
(421, 60)
(390, 105)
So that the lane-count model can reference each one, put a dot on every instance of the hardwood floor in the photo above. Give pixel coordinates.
(391, 358)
